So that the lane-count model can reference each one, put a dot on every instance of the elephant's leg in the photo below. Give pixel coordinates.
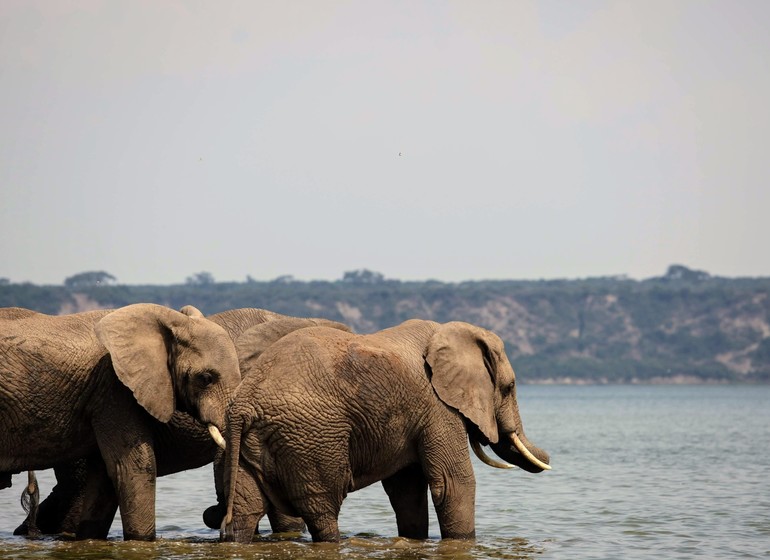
(323, 526)
(283, 523)
(99, 502)
(213, 515)
(454, 496)
(320, 509)
(408, 494)
(249, 505)
(447, 467)
(70, 492)
(126, 444)
(60, 511)
(134, 479)
(318, 503)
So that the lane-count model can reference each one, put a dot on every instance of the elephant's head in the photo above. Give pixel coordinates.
(471, 373)
(172, 361)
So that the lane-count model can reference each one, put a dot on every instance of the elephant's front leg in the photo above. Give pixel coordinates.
(126, 445)
(408, 494)
(134, 479)
(454, 499)
(452, 486)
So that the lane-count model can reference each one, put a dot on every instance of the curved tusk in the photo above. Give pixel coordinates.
(217, 436)
(527, 453)
(486, 458)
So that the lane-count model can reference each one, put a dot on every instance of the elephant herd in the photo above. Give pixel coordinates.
(293, 412)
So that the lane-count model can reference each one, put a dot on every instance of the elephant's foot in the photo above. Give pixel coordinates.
(26, 529)
(128, 536)
(92, 529)
(324, 528)
(241, 529)
(137, 527)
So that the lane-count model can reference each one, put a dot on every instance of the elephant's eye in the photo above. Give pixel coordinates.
(205, 379)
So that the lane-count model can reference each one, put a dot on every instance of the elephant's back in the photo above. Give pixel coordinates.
(44, 373)
(290, 370)
(337, 376)
(235, 321)
(38, 339)
(49, 360)
(21, 319)
(304, 356)
(15, 313)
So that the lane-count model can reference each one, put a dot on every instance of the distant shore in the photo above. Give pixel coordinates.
(673, 380)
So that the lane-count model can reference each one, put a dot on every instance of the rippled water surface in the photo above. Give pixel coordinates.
(638, 472)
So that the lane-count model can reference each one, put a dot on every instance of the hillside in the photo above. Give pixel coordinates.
(685, 326)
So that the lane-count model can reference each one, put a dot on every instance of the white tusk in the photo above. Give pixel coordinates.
(217, 436)
(527, 453)
(486, 458)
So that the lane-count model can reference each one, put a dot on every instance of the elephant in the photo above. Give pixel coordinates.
(180, 444)
(93, 385)
(341, 411)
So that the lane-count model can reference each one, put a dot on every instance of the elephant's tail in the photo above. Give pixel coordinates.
(237, 423)
(30, 500)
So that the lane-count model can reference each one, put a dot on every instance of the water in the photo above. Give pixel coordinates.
(639, 472)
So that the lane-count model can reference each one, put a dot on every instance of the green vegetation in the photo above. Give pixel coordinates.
(685, 325)
(89, 279)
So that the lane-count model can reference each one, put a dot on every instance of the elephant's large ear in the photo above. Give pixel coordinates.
(138, 338)
(254, 341)
(462, 376)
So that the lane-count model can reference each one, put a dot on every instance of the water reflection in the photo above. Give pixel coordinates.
(271, 549)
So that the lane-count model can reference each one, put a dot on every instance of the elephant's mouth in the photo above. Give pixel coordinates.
(517, 451)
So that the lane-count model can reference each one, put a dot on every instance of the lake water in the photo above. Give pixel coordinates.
(638, 472)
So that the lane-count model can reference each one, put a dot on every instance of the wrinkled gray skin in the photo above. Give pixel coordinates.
(341, 411)
(179, 445)
(93, 385)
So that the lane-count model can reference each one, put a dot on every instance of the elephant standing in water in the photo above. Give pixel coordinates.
(180, 444)
(95, 384)
(323, 412)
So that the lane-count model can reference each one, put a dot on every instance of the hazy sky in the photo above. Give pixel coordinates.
(420, 139)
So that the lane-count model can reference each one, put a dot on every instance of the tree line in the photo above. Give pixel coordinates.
(685, 325)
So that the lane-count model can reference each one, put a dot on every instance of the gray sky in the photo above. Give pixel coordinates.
(420, 139)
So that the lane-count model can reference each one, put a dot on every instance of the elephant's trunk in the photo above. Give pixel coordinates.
(235, 432)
